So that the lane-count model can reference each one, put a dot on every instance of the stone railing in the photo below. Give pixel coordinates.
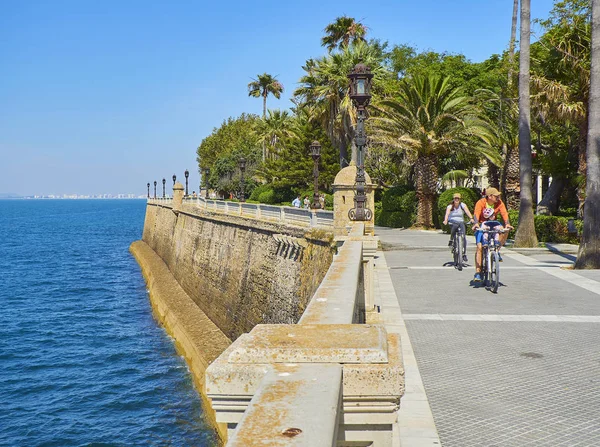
(328, 380)
(287, 215)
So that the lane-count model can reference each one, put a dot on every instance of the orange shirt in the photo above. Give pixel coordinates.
(499, 207)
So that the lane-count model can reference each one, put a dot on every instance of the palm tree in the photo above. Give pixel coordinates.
(430, 119)
(341, 33)
(525, 236)
(273, 130)
(264, 85)
(589, 249)
(324, 90)
(510, 171)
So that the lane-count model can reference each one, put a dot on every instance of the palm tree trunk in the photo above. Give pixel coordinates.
(582, 164)
(264, 146)
(493, 175)
(510, 178)
(426, 176)
(511, 45)
(525, 236)
(548, 206)
(589, 249)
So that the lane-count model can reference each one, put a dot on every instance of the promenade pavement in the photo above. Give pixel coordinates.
(516, 368)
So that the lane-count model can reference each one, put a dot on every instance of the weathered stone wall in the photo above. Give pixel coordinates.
(240, 272)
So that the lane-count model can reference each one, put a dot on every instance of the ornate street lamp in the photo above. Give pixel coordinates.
(164, 181)
(187, 174)
(360, 94)
(206, 174)
(174, 179)
(148, 189)
(315, 153)
(155, 189)
(242, 170)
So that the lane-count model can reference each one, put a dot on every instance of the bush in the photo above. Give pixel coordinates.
(549, 228)
(391, 198)
(469, 198)
(395, 219)
(267, 196)
(256, 192)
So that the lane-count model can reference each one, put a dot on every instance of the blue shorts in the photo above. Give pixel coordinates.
(479, 233)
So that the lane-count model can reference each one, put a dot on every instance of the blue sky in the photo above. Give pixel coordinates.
(105, 96)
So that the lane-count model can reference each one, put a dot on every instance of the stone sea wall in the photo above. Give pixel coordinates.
(197, 338)
(239, 271)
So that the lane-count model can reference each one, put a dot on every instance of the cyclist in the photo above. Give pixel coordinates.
(455, 214)
(486, 211)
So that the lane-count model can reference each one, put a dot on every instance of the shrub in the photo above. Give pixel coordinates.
(395, 219)
(398, 208)
(391, 198)
(549, 228)
(256, 192)
(267, 196)
(469, 198)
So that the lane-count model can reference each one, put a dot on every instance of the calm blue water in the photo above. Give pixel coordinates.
(82, 361)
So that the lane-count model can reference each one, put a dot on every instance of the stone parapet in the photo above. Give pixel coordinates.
(266, 369)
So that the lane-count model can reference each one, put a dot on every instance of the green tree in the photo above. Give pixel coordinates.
(324, 91)
(261, 87)
(427, 120)
(589, 249)
(342, 32)
(562, 75)
(525, 236)
(273, 130)
(221, 150)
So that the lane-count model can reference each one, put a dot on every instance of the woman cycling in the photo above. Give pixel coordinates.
(455, 215)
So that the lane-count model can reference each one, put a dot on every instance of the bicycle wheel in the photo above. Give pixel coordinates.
(458, 251)
(494, 272)
(486, 274)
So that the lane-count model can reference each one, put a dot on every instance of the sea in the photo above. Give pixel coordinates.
(83, 361)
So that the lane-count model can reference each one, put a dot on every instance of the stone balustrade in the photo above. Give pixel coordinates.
(330, 380)
(287, 215)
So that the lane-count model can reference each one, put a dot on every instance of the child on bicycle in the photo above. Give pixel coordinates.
(455, 215)
(486, 211)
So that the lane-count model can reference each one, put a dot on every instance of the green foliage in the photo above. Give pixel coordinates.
(398, 207)
(395, 219)
(469, 198)
(392, 199)
(549, 228)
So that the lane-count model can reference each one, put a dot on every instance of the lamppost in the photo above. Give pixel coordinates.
(174, 179)
(206, 173)
(148, 189)
(164, 181)
(155, 189)
(187, 174)
(315, 153)
(242, 170)
(360, 89)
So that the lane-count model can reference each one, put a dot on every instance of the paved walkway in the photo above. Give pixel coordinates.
(516, 368)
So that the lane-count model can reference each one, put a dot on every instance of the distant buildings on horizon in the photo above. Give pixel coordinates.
(79, 196)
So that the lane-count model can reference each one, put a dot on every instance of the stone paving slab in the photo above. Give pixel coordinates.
(517, 368)
(511, 383)
(523, 290)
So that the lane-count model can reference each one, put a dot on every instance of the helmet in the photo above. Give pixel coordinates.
(488, 212)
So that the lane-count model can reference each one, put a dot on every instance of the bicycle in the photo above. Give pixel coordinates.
(458, 248)
(490, 261)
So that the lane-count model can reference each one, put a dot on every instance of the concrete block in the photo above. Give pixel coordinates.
(323, 343)
(294, 406)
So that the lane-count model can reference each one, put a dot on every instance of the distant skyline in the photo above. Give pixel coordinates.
(103, 97)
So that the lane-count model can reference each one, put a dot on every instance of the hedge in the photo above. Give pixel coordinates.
(398, 208)
(469, 198)
(391, 199)
(549, 228)
(395, 219)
